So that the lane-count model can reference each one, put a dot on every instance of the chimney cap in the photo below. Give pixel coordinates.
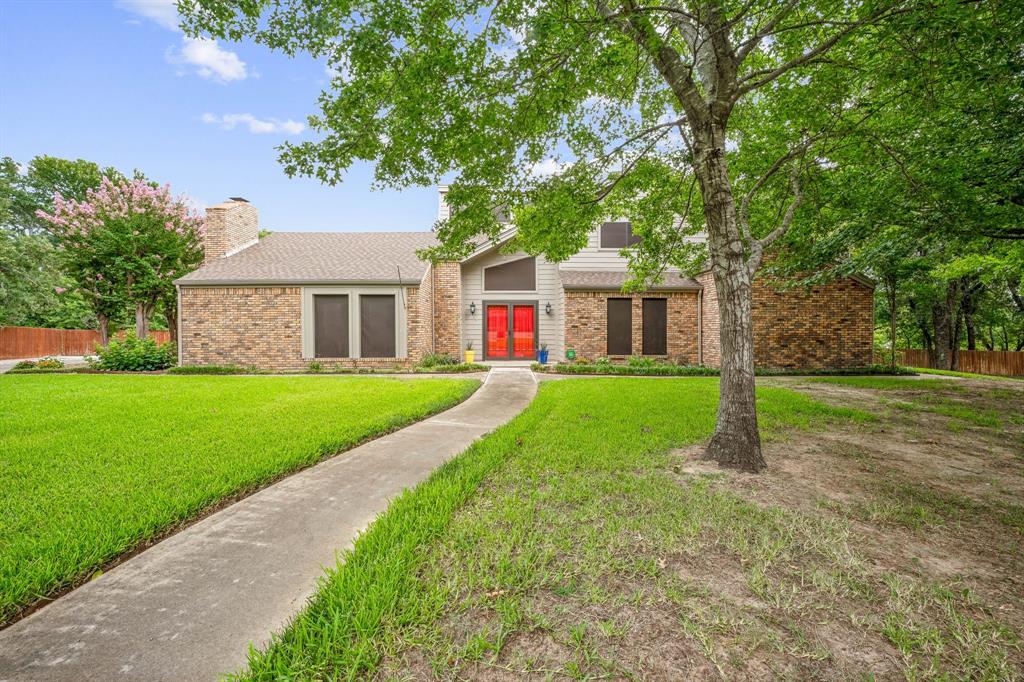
(239, 199)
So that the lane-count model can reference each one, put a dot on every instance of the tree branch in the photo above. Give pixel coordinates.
(667, 60)
(751, 43)
(743, 213)
(762, 77)
(629, 167)
(758, 246)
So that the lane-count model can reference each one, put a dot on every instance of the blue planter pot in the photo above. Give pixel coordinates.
(542, 357)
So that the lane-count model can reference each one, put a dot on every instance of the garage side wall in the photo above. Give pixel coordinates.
(261, 327)
(829, 326)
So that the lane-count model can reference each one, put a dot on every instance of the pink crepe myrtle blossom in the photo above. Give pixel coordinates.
(121, 201)
(59, 290)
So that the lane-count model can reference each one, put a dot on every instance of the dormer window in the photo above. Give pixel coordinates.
(618, 236)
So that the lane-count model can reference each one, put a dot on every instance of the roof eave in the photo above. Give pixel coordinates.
(412, 281)
(592, 287)
(490, 245)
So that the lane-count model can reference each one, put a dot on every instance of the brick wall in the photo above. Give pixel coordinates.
(446, 294)
(829, 326)
(710, 330)
(229, 227)
(586, 323)
(421, 304)
(258, 327)
(262, 327)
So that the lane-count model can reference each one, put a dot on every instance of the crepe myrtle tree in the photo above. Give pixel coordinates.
(127, 242)
(683, 116)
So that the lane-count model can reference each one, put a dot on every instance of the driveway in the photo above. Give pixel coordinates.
(189, 607)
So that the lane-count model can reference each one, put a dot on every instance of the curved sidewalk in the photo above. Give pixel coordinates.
(188, 607)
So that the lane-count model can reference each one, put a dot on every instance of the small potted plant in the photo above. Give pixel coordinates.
(469, 353)
(542, 354)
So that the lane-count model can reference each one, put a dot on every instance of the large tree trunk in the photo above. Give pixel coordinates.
(954, 340)
(172, 325)
(103, 327)
(890, 294)
(946, 324)
(970, 308)
(940, 356)
(736, 442)
(143, 311)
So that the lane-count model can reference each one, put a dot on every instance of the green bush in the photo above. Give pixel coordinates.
(437, 360)
(133, 354)
(456, 368)
(315, 366)
(25, 364)
(640, 362)
(210, 369)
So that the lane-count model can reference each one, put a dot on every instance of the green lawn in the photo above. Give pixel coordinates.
(963, 375)
(92, 466)
(578, 542)
(551, 505)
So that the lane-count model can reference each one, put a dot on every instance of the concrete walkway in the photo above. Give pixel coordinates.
(188, 608)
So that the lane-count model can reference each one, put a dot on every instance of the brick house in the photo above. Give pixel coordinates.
(364, 299)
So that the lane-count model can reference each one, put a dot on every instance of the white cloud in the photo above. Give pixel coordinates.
(163, 12)
(255, 125)
(546, 167)
(209, 60)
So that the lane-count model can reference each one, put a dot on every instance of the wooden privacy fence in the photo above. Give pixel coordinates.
(36, 342)
(1001, 362)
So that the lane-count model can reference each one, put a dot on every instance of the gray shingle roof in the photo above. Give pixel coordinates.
(321, 257)
(612, 280)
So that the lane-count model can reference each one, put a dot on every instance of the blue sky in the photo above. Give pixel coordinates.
(114, 82)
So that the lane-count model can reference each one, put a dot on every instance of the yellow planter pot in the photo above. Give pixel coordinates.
(469, 357)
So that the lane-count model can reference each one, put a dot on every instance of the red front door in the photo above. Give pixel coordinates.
(522, 332)
(497, 331)
(511, 330)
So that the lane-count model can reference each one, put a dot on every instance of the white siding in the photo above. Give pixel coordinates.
(593, 257)
(551, 328)
(443, 212)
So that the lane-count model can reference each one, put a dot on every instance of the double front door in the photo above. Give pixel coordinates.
(510, 331)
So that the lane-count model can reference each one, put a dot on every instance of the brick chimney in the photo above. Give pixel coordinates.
(230, 227)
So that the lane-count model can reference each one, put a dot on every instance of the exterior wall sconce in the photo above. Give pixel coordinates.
(547, 308)
(472, 308)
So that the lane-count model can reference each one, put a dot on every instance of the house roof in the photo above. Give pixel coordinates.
(321, 257)
(612, 280)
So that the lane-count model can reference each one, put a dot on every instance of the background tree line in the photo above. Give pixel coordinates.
(926, 194)
(87, 247)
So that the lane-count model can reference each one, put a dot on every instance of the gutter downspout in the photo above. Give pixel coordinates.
(181, 336)
(700, 327)
(433, 315)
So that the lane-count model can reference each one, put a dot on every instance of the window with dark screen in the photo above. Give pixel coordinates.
(655, 323)
(620, 326)
(618, 236)
(330, 321)
(517, 275)
(377, 326)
